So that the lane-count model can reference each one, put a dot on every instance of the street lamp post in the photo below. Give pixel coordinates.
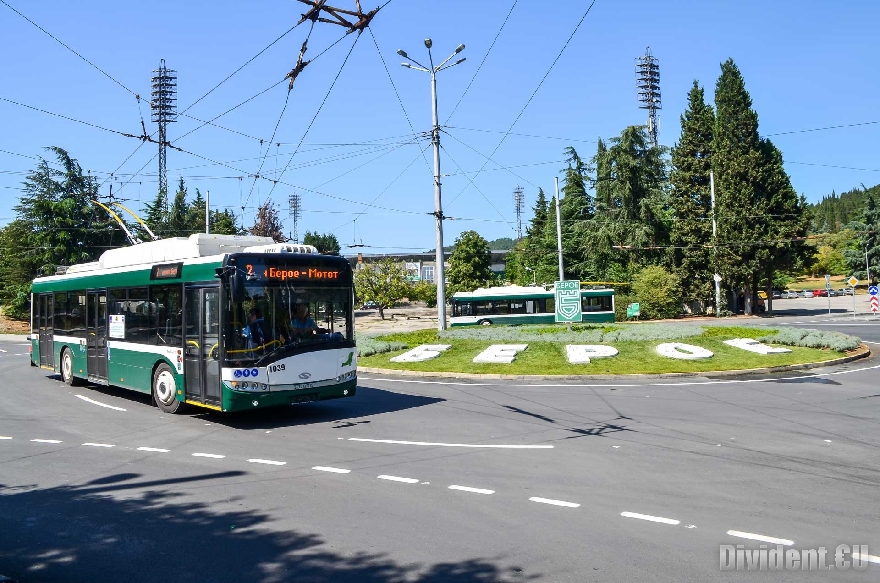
(435, 140)
(533, 274)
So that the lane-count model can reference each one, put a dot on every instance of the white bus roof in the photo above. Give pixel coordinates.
(183, 248)
(508, 290)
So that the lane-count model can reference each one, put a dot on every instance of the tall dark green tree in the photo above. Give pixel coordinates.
(632, 189)
(738, 161)
(690, 199)
(195, 214)
(156, 214)
(868, 230)
(225, 223)
(537, 251)
(176, 223)
(785, 222)
(575, 208)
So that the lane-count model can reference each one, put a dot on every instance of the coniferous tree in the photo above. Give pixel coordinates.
(737, 159)
(326, 244)
(690, 199)
(156, 213)
(575, 207)
(868, 229)
(195, 215)
(176, 223)
(224, 223)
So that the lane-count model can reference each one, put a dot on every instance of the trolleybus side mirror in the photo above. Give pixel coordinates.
(234, 280)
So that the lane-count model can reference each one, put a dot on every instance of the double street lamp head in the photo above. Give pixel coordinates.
(432, 69)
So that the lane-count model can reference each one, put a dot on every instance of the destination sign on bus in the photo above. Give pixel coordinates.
(290, 273)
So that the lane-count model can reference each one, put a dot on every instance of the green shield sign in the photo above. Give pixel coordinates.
(568, 301)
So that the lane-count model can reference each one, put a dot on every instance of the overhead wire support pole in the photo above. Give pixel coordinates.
(717, 276)
(648, 86)
(439, 270)
(163, 104)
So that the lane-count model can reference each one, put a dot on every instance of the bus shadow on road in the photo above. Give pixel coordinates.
(130, 527)
(348, 411)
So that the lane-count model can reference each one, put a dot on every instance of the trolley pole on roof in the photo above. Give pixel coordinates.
(439, 270)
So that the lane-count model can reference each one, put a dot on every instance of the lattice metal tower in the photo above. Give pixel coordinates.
(163, 106)
(518, 201)
(648, 86)
(295, 203)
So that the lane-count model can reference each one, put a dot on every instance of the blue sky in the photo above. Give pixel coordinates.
(807, 64)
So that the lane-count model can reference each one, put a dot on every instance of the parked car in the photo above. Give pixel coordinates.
(807, 293)
(846, 291)
(833, 293)
(777, 294)
(762, 294)
(371, 305)
(820, 293)
(790, 294)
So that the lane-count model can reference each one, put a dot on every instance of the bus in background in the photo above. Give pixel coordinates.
(217, 321)
(524, 305)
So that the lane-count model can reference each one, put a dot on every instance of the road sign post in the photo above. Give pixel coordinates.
(828, 291)
(853, 282)
(633, 310)
(568, 301)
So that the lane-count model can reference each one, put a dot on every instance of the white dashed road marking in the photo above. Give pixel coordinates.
(87, 400)
(99, 445)
(268, 462)
(650, 518)
(46, 441)
(469, 489)
(554, 502)
(155, 449)
(4, 437)
(398, 479)
(433, 444)
(210, 455)
(761, 538)
(331, 470)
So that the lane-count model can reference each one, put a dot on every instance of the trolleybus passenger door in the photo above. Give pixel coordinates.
(202, 354)
(96, 343)
(47, 344)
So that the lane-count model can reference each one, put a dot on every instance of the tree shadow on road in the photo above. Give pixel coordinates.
(120, 528)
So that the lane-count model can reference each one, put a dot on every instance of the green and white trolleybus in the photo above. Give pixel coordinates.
(524, 305)
(218, 321)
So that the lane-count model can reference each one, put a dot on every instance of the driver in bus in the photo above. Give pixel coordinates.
(301, 325)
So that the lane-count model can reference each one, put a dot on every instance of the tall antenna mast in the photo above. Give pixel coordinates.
(163, 106)
(648, 87)
(518, 200)
(295, 203)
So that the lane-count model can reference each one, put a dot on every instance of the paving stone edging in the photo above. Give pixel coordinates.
(863, 351)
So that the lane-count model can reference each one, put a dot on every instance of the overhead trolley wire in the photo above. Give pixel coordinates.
(480, 66)
(478, 189)
(397, 93)
(535, 92)
(320, 107)
(62, 43)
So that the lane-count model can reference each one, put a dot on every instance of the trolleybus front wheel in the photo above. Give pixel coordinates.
(485, 322)
(165, 389)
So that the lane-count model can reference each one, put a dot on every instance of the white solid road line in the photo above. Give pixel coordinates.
(267, 462)
(99, 445)
(868, 558)
(87, 400)
(1, 350)
(761, 538)
(331, 470)
(554, 502)
(4, 437)
(426, 382)
(469, 489)
(432, 444)
(46, 441)
(155, 449)
(398, 479)
(650, 518)
(210, 455)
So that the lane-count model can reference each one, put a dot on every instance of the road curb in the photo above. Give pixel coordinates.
(863, 351)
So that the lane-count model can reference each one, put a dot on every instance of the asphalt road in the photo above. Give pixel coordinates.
(612, 481)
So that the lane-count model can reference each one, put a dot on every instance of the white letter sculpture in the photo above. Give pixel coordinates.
(755, 346)
(422, 353)
(582, 353)
(683, 351)
(500, 353)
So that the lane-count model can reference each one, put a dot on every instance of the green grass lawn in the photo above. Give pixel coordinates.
(548, 358)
